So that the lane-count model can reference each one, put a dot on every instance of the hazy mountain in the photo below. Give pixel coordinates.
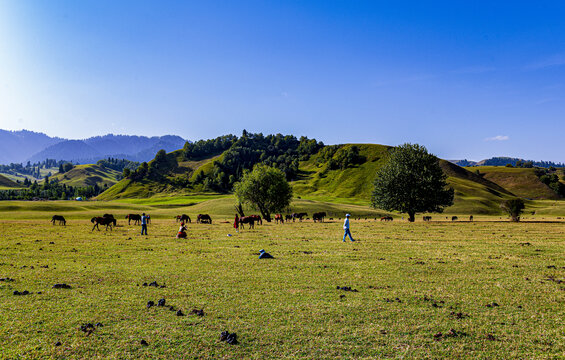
(135, 148)
(18, 146)
(502, 161)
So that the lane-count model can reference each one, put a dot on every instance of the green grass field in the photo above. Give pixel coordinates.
(414, 282)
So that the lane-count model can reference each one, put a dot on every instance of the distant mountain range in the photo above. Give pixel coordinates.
(22, 146)
(503, 161)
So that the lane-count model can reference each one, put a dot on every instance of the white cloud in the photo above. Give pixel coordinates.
(498, 138)
(555, 60)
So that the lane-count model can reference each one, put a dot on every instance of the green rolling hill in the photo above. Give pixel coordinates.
(316, 180)
(88, 175)
(6, 183)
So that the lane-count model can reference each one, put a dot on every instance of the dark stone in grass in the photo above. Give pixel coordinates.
(25, 292)
(154, 283)
(7, 279)
(172, 308)
(551, 267)
(198, 312)
(51, 243)
(58, 343)
(87, 328)
(61, 286)
(161, 302)
(490, 337)
(230, 338)
(494, 304)
(99, 324)
(180, 313)
(150, 303)
(39, 292)
(145, 284)
(341, 296)
(347, 288)
(143, 342)
(438, 336)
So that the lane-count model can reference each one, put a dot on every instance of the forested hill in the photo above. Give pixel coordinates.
(507, 161)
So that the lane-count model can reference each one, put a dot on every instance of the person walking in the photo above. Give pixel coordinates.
(346, 228)
(236, 223)
(143, 224)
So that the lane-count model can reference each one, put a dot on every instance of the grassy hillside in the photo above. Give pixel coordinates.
(521, 182)
(6, 183)
(88, 175)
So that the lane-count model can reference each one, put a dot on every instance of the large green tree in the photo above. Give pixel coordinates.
(264, 188)
(411, 182)
(514, 208)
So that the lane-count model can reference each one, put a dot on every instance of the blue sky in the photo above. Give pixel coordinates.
(466, 79)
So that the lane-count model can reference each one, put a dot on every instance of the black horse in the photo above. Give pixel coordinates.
(60, 219)
(319, 216)
(184, 218)
(135, 217)
(203, 219)
(104, 220)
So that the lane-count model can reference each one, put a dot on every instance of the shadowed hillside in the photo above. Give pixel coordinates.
(7, 183)
(88, 175)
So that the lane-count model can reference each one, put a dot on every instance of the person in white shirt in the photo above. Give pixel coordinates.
(346, 228)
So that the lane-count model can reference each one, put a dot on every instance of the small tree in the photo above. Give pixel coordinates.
(514, 208)
(265, 189)
(411, 182)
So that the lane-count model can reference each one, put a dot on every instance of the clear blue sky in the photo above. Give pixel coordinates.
(467, 79)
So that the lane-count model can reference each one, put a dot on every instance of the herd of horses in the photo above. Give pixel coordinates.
(109, 221)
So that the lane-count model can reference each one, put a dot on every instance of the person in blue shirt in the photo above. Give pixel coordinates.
(143, 224)
(346, 228)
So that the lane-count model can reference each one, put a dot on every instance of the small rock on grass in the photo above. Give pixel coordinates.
(230, 338)
(198, 312)
(150, 303)
(143, 342)
(62, 286)
(180, 313)
(161, 302)
(25, 292)
(58, 343)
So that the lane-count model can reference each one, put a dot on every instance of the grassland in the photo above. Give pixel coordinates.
(414, 282)
(88, 175)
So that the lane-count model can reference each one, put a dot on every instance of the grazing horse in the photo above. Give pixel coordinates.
(60, 219)
(471, 218)
(319, 216)
(298, 216)
(108, 221)
(257, 219)
(183, 218)
(279, 218)
(247, 220)
(203, 219)
(288, 217)
(454, 218)
(386, 218)
(135, 217)
(427, 218)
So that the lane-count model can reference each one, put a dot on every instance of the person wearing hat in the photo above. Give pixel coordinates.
(346, 228)
(265, 255)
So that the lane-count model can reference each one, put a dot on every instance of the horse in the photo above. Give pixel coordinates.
(319, 216)
(104, 220)
(203, 219)
(279, 218)
(298, 216)
(135, 217)
(183, 218)
(454, 218)
(257, 219)
(386, 218)
(247, 220)
(60, 219)
(471, 218)
(288, 217)
(427, 218)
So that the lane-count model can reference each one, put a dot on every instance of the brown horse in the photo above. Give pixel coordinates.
(319, 216)
(203, 219)
(257, 219)
(386, 218)
(247, 220)
(184, 218)
(135, 217)
(60, 219)
(108, 221)
(279, 218)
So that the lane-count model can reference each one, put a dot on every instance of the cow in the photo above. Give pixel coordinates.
(250, 220)
(60, 219)
(104, 220)
(203, 219)
(454, 218)
(319, 216)
(135, 217)
(183, 218)
(279, 218)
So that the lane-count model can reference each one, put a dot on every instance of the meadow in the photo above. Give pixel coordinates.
(487, 289)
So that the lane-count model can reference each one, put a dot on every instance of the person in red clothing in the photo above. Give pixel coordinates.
(236, 223)
(182, 231)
